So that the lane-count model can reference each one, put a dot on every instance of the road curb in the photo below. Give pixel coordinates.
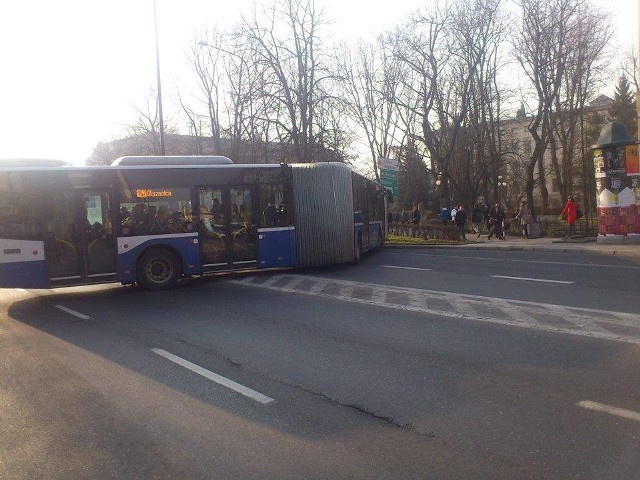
(522, 248)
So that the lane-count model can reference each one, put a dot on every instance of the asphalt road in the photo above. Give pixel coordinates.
(417, 363)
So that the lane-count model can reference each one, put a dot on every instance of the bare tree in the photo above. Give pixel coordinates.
(557, 46)
(588, 35)
(480, 154)
(423, 55)
(452, 49)
(147, 124)
(206, 61)
(372, 82)
(286, 44)
(195, 124)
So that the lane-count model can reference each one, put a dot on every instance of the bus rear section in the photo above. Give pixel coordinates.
(339, 214)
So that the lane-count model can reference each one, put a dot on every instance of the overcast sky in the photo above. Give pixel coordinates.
(71, 70)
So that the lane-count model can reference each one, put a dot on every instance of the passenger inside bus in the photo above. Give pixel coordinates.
(216, 211)
(235, 214)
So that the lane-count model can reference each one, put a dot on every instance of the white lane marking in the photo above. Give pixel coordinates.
(542, 262)
(540, 316)
(407, 268)
(73, 312)
(618, 412)
(214, 377)
(532, 279)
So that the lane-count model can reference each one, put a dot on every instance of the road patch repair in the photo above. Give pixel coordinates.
(618, 326)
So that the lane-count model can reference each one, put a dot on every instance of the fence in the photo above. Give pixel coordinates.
(435, 230)
(429, 231)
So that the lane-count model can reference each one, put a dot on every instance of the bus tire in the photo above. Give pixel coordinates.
(158, 269)
(357, 254)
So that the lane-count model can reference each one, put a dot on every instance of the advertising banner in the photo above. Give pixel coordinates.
(617, 176)
(632, 159)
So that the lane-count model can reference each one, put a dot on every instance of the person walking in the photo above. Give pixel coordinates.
(496, 218)
(487, 216)
(476, 218)
(525, 219)
(415, 215)
(454, 210)
(460, 221)
(571, 210)
(444, 215)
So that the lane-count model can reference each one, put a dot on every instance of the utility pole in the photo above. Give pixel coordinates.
(155, 22)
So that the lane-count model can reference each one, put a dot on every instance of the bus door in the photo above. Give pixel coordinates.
(227, 228)
(244, 251)
(80, 243)
(213, 228)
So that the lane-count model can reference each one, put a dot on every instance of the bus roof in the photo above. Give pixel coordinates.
(33, 162)
(172, 160)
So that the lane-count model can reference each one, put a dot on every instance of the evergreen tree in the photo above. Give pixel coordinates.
(623, 108)
(413, 178)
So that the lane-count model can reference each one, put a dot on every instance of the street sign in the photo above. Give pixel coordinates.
(388, 164)
(389, 179)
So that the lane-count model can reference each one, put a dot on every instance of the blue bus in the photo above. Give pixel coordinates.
(154, 220)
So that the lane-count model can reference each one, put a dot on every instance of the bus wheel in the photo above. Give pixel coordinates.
(158, 270)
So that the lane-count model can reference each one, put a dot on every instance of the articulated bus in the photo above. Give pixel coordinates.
(155, 220)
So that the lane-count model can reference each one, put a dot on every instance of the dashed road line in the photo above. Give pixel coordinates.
(517, 260)
(73, 312)
(619, 326)
(618, 412)
(214, 377)
(407, 268)
(526, 279)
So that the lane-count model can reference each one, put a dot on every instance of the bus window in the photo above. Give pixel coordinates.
(18, 210)
(273, 211)
(155, 211)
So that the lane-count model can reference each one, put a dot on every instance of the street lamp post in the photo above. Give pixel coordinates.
(502, 185)
(155, 22)
(446, 187)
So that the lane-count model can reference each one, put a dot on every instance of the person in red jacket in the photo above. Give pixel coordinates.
(571, 209)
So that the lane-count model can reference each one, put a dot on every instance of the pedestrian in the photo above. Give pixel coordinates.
(396, 216)
(525, 219)
(405, 216)
(389, 217)
(571, 211)
(454, 210)
(415, 215)
(444, 215)
(496, 220)
(487, 217)
(476, 218)
(461, 221)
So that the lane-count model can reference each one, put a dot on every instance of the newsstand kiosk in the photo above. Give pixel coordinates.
(617, 172)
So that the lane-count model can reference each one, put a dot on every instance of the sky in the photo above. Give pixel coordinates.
(71, 71)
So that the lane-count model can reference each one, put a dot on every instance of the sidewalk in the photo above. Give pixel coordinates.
(544, 244)
(549, 244)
